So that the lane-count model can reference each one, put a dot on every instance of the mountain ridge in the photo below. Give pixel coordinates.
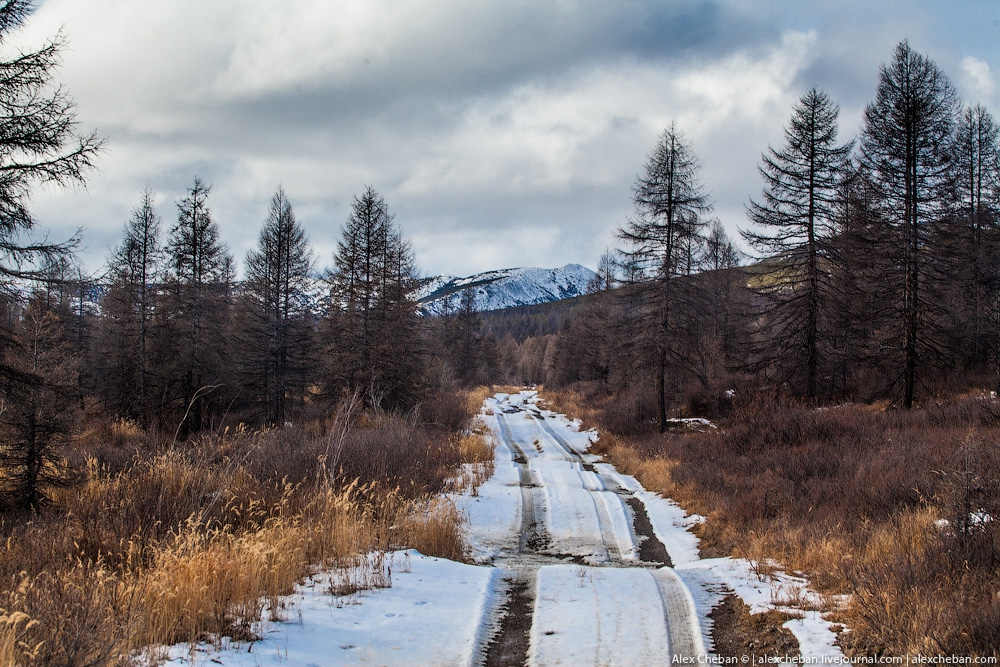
(503, 288)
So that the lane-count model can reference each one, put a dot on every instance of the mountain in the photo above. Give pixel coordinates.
(505, 288)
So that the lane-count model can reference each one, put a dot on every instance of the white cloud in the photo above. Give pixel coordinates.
(478, 121)
(977, 79)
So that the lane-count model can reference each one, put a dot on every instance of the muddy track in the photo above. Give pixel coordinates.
(509, 646)
(514, 611)
(604, 522)
(514, 604)
(534, 537)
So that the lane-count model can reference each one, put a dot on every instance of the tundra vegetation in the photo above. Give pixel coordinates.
(179, 446)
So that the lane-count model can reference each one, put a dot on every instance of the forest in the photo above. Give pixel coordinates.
(167, 408)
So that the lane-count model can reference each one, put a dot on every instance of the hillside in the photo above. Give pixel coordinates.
(505, 288)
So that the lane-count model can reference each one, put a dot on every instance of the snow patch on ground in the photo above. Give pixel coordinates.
(431, 616)
(494, 514)
(434, 613)
(711, 579)
(597, 616)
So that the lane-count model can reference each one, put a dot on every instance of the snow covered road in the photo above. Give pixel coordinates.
(561, 579)
(572, 551)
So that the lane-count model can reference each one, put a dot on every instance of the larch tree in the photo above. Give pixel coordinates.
(670, 204)
(198, 290)
(134, 268)
(40, 145)
(278, 327)
(464, 340)
(605, 278)
(795, 225)
(976, 164)
(904, 148)
(372, 328)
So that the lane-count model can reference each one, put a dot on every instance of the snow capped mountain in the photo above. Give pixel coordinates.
(505, 288)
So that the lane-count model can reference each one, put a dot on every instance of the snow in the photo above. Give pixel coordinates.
(691, 423)
(432, 615)
(505, 288)
(494, 515)
(438, 612)
(573, 517)
(597, 616)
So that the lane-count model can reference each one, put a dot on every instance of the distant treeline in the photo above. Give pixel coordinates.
(879, 277)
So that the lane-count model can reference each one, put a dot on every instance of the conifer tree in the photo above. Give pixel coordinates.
(976, 164)
(796, 225)
(277, 318)
(670, 204)
(372, 328)
(904, 149)
(197, 328)
(128, 306)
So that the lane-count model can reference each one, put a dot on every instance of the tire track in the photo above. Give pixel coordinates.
(533, 537)
(679, 611)
(514, 607)
(514, 610)
(604, 521)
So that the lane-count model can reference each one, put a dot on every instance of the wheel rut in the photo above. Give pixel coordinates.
(514, 607)
(514, 611)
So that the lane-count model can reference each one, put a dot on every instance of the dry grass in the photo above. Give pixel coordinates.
(850, 495)
(474, 398)
(160, 544)
(476, 449)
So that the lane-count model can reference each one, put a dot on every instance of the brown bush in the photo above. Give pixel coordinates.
(851, 495)
(183, 541)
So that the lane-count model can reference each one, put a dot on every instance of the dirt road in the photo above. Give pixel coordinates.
(577, 565)
(586, 582)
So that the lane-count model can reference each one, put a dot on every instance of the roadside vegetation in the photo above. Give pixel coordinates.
(157, 542)
(892, 507)
(180, 441)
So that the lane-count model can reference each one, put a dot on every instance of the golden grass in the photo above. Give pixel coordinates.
(197, 542)
(434, 527)
(473, 398)
(15, 631)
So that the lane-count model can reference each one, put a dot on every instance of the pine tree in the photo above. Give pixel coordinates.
(797, 225)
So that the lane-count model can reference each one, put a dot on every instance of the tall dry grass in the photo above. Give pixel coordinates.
(159, 544)
(852, 495)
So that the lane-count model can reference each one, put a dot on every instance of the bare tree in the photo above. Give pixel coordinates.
(796, 226)
(371, 331)
(128, 306)
(606, 276)
(904, 144)
(198, 290)
(976, 164)
(278, 327)
(670, 204)
(40, 145)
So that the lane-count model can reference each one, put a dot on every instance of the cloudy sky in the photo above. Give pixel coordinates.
(501, 132)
